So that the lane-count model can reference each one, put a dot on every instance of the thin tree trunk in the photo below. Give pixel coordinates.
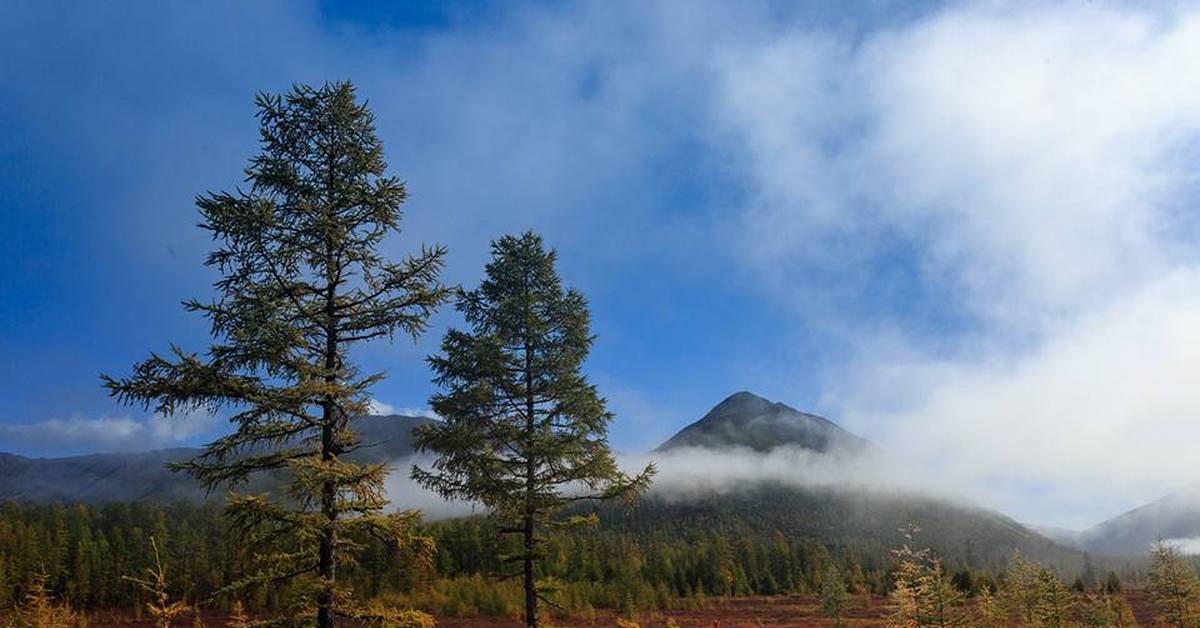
(327, 564)
(531, 616)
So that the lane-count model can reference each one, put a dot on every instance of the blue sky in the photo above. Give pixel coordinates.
(964, 231)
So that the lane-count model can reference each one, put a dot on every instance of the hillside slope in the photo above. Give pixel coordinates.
(143, 476)
(868, 522)
(747, 425)
(1175, 517)
(835, 513)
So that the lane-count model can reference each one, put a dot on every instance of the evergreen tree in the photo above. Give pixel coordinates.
(834, 598)
(963, 581)
(1022, 588)
(301, 283)
(524, 432)
(40, 610)
(162, 608)
(1088, 576)
(1055, 602)
(905, 595)
(1107, 611)
(1112, 583)
(1120, 611)
(1174, 587)
(922, 594)
(989, 610)
(942, 603)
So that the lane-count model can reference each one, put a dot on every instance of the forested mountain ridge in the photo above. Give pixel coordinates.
(839, 515)
(867, 521)
(741, 420)
(143, 476)
(1175, 517)
(98, 478)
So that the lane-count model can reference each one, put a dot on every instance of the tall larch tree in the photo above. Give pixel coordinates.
(301, 282)
(524, 434)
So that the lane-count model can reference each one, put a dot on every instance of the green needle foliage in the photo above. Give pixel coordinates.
(1056, 602)
(1022, 592)
(301, 282)
(834, 598)
(524, 434)
(1104, 610)
(1174, 587)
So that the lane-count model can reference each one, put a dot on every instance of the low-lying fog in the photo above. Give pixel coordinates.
(689, 472)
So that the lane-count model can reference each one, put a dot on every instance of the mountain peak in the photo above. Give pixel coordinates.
(745, 419)
(744, 397)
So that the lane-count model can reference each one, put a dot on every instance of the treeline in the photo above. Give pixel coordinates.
(87, 554)
(1028, 594)
(611, 568)
(82, 558)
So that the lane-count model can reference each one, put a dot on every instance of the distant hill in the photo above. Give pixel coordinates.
(744, 419)
(142, 476)
(868, 522)
(98, 478)
(868, 519)
(1174, 517)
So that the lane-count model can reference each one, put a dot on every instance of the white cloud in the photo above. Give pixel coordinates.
(79, 434)
(1036, 164)
(1030, 154)
(1099, 417)
(405, 494)
(1189, 546)
(688, 471)
(381, 408)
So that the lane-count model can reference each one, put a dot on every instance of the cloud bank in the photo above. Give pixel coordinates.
(80, 434)
(382, 408)
(1189, 546)
(988, 207)
(1032, 167)
(690, 471)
